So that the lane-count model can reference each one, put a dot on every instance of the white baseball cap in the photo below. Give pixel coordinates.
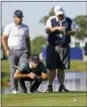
(58, 10)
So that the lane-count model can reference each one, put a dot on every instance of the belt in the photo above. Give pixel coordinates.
(16, 47)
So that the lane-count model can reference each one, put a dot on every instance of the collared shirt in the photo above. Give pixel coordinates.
(49, 24)
(74, 26)
(57, 37)
(16, 35)
(25, 68)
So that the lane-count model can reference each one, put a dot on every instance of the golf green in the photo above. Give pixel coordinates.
(45, 99)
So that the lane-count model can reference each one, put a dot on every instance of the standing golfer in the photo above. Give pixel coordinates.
(57, 52)
(16, 44)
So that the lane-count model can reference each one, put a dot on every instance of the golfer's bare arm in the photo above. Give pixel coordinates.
(53, 29)
(5, 42)
(19, 75)
(44, 75)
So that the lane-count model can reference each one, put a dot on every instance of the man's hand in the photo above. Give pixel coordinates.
(53, 29)
(60, 28)
(32, 75)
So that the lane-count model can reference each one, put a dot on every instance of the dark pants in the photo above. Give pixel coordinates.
(16, 57)
(35, 84)
(57, 57)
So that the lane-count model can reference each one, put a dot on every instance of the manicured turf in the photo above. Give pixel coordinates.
(45, 99)
(78, 65)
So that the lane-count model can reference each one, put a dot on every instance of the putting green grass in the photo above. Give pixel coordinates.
(44, 99)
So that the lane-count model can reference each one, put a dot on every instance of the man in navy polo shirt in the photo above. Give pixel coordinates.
(58, 28)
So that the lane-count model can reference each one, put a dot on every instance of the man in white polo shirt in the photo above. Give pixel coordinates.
(16, 43)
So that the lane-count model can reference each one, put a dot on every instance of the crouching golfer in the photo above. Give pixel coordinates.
(33, 71)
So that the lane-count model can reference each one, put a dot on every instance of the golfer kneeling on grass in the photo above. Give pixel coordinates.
(33, 71)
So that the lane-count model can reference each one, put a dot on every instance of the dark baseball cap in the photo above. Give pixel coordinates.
(18, 13)
(34, 58)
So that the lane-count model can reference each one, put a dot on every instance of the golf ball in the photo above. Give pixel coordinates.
(75, 99)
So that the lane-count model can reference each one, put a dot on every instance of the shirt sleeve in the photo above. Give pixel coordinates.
(27, 31)
(6, 30)
(24, 68)
(43, 68)
(48, 23)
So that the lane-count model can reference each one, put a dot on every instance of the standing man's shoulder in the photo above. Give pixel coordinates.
(48, 23)
(7, 29)
(25, 26)
(26, 29)
(51, 18)
(69, 19)
(8, 25)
